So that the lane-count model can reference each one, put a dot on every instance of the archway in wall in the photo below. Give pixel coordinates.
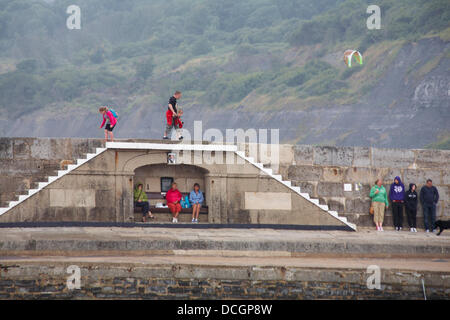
(184, 175)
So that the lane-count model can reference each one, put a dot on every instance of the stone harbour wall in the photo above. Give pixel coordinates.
(321, 171)
(49, 281)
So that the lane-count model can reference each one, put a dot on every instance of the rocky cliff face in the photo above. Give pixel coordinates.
(409, 107)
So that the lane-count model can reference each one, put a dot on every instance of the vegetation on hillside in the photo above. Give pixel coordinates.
(219, 52)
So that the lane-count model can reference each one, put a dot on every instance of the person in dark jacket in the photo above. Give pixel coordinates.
(411, 206)
(397, 196)
(429, 197)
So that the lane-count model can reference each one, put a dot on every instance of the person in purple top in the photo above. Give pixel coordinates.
(397, 196)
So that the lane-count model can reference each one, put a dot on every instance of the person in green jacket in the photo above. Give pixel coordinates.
(141, 201)
(379, 202)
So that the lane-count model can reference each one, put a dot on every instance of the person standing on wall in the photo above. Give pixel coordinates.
(397, 196)
(110, 120)
(171, 115)
(411, 206)
(429, 197)
(379, 202)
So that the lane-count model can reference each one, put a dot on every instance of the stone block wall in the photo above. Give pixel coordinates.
(322, 172)
(104, 281)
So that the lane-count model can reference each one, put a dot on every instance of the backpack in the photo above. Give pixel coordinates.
(114, 113)
(185, 202)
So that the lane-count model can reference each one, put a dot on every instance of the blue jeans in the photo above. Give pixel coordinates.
(429, 215)
(145, 207)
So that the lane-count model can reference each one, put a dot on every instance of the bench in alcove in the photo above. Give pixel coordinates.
(163, 214)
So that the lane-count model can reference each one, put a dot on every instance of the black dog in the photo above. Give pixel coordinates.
(442, 225)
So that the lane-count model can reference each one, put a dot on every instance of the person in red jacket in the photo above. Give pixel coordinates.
(173, 197)
(111, 122)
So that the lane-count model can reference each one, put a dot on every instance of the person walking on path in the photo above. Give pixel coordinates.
(171, 115)
(411, 206)
(379, 202)
(397, 196)
(429, 197)
(110, 121)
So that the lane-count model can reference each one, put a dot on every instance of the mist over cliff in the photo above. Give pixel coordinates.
(249, 64)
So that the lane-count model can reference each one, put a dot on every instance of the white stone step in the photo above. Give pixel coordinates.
(296, 189)
(100, 150)
(42, 185)
(22, 197)
(241, 153)
(250, 159)
(70, 167)
(287, 183)
(12, 203)
(81, 161)
(52, 179)
(32, 192)
(89, 156)
(333, 213)
(278, 177)
(3, 210)
(343, 219)
(323, 207)
(352, 225)
(315, 201)
(305, 195)
(62, 172)
(259, 165)
(268, 171)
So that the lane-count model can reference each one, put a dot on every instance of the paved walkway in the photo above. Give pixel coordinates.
(362, 235)
(224, 242)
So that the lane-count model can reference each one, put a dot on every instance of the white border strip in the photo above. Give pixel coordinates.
(171, 146)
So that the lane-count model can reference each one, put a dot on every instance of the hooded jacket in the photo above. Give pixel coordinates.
(397, 191)
(411, 198)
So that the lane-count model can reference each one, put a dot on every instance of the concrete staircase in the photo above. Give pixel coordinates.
(297, 190)
(51, 179)
(180, 146)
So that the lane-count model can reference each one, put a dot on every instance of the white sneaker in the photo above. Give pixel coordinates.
(381, 229)
(412, 230)
(427, 231)
(176, 220)
(173, 220)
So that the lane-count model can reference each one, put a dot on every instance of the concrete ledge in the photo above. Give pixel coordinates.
(168, 240)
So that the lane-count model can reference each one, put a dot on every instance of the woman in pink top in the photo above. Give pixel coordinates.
(110, 120)
(173, 197)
